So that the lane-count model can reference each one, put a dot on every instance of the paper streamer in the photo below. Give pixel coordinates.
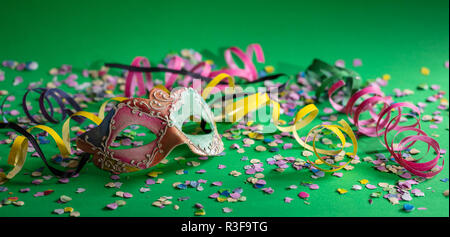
(140, 66)
(381, 121)
(249, 71)
(326, 75)
(236, 110)
(61, 97)
(19, 148)
(18, 152)
(174, 67)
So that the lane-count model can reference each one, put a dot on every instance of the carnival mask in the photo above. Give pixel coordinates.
(164, 115)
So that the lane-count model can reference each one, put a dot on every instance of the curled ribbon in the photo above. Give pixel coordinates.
(249, 71)
(380, 121)
(419, 169)
(141, 66)
(236, 110)
(18, 152)
(174, 67)
(136, 78)
(326, 75)
(62, 99)
(19, 148)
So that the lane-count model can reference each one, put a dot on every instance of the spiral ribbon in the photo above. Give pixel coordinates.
(135, 78)
(202, 70)
(61, 97)
(382, 122)
(19, 148)
(326, 75)
(236, 110)
(249, 71)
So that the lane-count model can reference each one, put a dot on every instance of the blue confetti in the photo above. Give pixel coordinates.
(408, 207)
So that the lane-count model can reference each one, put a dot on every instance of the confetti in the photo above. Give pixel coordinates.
(65, 199)
(58, 211)
(303, 195)
(370, 186)
(75, 214)
(408, 207)
(112, 206)
(425, 71)
(364, 181)
(356, 187)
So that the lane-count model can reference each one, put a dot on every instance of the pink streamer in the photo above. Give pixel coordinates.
(382, 122)
(249, 71)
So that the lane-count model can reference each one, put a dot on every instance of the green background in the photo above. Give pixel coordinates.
(393, 37)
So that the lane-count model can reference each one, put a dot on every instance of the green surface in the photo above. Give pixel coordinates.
(394, 37)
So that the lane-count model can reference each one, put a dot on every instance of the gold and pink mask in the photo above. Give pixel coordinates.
(164, 115)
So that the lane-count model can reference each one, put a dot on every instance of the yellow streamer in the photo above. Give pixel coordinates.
(213, 83)
(305, 116)
(163, 88)
(19, 148)
(66, 127)
(101, 112)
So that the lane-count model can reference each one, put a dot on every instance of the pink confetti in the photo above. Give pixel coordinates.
(202, 171)
(287, 146)
(357, 62)
(14, 112)
(287, 200)
(371, 186)
(435, 87)
(17, 80)
(39, 194)
(268, 190)
(328, 110)
(406, 175)
(63, 180)
(340, 63)
(24, 190)
(338, 174)
(112, 206)
(313, 186)
(303, 195)
(115, 177)
(235, 146)
(217, 183)
(235, 195)
(250, 171)
(126, 142)
(227, 210)
(37, 181)
(214, 195)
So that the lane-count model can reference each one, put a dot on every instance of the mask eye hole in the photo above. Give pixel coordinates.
(133, 136)
(196, 126)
